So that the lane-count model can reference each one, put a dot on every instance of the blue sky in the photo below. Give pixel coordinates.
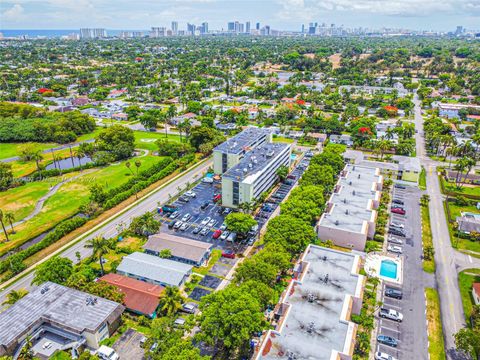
(280, 14)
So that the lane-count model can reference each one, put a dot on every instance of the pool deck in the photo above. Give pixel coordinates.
(373, 264)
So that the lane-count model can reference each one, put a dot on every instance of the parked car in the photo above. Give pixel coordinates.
(184, 198)
(178, 224)
(228, 254)
(217, 197)
(394, 240)
(395, 249)
(391, 314)
(184, 226)
(396, 231)
(197, 229)
(232, 237)
(383, 356)
(207, 180)
(191, 194)
(212, 223)
(394, 293)
(223, 226)
(398, 210)
(186, 217)
(216, 234)
(397, 225)
(204, 231)
(225, 234)
(227, 211)
(204, 205)
(189, 307)
(172, 224)
(174, 214)
(205, 221)
(250, 241)
(387, 340)
(400, 186)
(398, 201)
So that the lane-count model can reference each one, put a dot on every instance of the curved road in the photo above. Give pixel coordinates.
(109, 228)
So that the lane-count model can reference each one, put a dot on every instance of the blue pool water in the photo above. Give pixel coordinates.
(388, 269)
(293, 156)
(209, 175)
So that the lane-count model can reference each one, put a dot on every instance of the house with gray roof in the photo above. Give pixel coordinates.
(65, 317)
(154, 270)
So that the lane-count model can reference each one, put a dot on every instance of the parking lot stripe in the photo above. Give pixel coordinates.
(392, 306)
(390, 329)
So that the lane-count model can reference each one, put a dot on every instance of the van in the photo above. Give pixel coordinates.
(207, 180)
(107, 353)
(232, 237)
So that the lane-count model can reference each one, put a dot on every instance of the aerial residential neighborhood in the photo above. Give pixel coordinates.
(239, 180)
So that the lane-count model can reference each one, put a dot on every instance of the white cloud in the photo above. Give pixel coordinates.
(16, 12)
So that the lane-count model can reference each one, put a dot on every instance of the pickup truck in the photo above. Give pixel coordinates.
(390, 314)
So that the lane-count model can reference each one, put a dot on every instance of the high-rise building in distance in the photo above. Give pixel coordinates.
(175, 27)
(257, 26)
(204, 28)
(231, 26)
(90, 33)
(247, 27)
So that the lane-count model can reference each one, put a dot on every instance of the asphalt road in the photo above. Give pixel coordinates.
(448, 261)
(111, 228)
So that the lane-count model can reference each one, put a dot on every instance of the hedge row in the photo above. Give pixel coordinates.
(62, 229)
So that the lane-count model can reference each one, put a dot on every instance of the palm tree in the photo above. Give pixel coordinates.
(171, 112)
(383, 146)
(14, 295)
(26, 353)
(100, 246)
(10, 217)
(138, 163)
(129, 166)
(71, 156)
(171, 301)
(3, 224)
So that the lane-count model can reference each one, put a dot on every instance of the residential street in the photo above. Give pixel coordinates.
(448, 261)
(109, 229)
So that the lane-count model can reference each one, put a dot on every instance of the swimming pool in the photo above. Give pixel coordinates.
(388, 269)
(293, 157)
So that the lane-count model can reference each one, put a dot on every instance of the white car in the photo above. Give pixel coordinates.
(395, 249)
(224, 235)
(383, 356)
(47, 345)
(205, 221)
(184, 226)
(191, 194)
(391, 314)
(186, 217)
(174, 215)
(223, 227)
(397, 225)
(212, 223)
(204, 231)
(395, 240)
(178, 224)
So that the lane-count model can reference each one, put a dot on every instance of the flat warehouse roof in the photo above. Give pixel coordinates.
(315, 322)
(68, 308)
(152, 267)
(243, 140)
(180, 247)
(255, 161)
(350, 203)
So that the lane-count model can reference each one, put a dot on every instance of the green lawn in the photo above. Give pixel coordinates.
(8, 150)
(458, 243)
(465, 282)
(68, 199)
(428, 265)
(422, 182)
(146, 140)
(436, 347)
(215, 255)
(282, 139)
(464, 190)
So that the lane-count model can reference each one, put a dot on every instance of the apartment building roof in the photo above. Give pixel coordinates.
(139, 295)
(314, 312)
(154, 268)
(350, 204)
(243, 141)
(69, 309)
(256, 160)
(180, 247)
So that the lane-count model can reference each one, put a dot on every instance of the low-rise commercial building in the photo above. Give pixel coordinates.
(154, 270)
(452, 111)
(312, 319)
(68, 318)
(350, 215)
(140, 297)
(254, 174)
(185, 250)
(231, 152)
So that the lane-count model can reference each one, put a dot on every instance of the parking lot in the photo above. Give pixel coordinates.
(128, 345)
(411, 333)
(205, 215)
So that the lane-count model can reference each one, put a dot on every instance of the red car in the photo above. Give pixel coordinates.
(217, 197)
(228, 254)
(398, 210)
(217, 234)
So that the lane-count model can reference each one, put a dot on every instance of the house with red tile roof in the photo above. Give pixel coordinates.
(140, 297)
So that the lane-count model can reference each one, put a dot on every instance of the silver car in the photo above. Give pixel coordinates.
(204, 231)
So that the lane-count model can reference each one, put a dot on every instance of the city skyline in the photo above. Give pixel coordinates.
(287, 15)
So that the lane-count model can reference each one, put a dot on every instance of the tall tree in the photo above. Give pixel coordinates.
(170, 301)
(14, 295)
(56, 269)
(2, 219)
(10, 217)
(100, 246)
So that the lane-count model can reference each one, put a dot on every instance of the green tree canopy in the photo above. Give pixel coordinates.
(240, 223)
(56, 269)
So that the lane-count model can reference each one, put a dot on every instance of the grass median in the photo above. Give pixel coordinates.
(436, 346)
(428, 259)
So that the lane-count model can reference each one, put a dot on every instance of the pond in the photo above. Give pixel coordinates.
(67, 163)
